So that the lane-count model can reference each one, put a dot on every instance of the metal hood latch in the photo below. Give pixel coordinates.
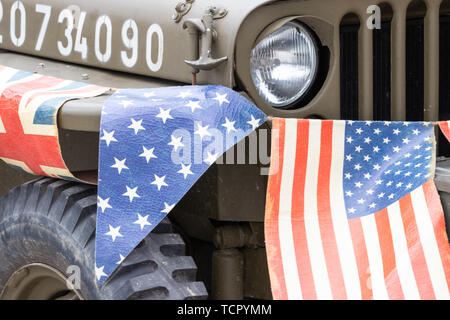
(204, 29)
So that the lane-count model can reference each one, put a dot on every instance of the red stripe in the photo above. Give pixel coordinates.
(391, 278)
(273, 247)
(445, 127)
(438, 220)
(415, 249)
(324, 214)
(362, 259)
(298, 221)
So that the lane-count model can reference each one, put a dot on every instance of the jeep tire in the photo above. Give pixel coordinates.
(47, 231)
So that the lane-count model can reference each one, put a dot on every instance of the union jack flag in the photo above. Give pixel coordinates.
(29, 104)
(353, 213)
(154, 145)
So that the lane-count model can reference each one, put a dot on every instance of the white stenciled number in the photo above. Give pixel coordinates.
(130, 43)
(66, 15)
(46, 10)
(103, 21)
(18, 40)
(155, 29)
(81, 42)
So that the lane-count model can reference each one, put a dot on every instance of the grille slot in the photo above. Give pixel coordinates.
(349, 71)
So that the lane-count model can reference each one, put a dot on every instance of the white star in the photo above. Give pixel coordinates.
(368, 123)
(229, 125)
(349, 139)
(367, 140)
(398, 185)
(386, 158)
(185, 170)
(379, 181)
(202, 131)
(348, 176)
(396, 149)
(184, 94)
(396, 131)
(349, 194)
(358, 184)
(108, 137)
(131, 193)
(221, 98)
(349, 158)
(397, 172)
(167, 208)
(426, 124)
(136, 126)
(372, 205)
(359, 131)
(367, 176)
(164, 115)
(114, 232)
(254, 122)
(377, 131)
(99, 272)
(211, 158)
(119, 164)
(159, 182)
(370, 191)
(361, 201)
(381, 195)
(417, 147)
(358, 149)
(387, 123)
(408, 186)
(406, 141)
(391, 196)
(416, 132)
(148, 154)
(126, 103)
(142, 221)
(367, 158)
(405, 124)
(389, 183)
(386, 140)
(376, 167)
(351, 210)
(376, 149)
(193, 105)
(357, 166)
(103, 203)
(350, 122)
(176, 142)
(121, 259)
(408, 155)
(149, 94)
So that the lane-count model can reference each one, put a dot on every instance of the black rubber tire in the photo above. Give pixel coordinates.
(53, 222)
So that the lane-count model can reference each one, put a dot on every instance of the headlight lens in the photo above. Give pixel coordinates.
(284, 64)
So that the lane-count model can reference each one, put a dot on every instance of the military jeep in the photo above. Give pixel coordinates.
(354, 60)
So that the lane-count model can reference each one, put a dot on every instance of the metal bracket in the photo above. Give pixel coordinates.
(181, 9)
(204, 29)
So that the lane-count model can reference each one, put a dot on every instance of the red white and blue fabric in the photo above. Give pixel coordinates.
(29, 105)
(154, 145)
(353, 213)
(445, 128)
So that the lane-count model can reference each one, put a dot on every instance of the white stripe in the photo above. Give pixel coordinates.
(6, 74)
(2, 127)
(313, 237)
(402, 259)
(339, 216)
(375, 259)
(429, 244)
(285, 230)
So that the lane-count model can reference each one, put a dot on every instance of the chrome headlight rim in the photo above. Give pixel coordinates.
(295, 100)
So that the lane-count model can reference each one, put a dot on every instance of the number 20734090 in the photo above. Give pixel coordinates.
(76, 43)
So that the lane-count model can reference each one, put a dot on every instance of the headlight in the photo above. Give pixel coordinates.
(284, 64)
